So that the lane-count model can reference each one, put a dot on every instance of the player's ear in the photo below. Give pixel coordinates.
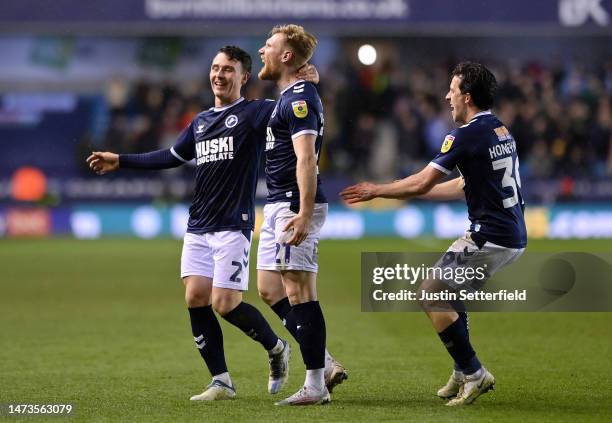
(245, 77)
(287, 56)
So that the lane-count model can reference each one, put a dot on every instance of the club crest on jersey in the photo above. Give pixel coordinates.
(300, 109)
(231, 121)
(447, 144)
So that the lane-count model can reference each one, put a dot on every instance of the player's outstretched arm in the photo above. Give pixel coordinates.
(446, 191)
(103, 162)
(414, 185)
(306, 174)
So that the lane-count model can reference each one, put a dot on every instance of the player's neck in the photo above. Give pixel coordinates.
(471, 112)
(222, 102)
(287, 78)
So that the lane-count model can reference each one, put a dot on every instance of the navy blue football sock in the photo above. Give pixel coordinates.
(455, 339)
(464, 319)
(311, 333)
(208, 338)
(283, 310)
(249, 320)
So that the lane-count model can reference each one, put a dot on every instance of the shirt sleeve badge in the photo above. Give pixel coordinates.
(300, 109)
(447, 144)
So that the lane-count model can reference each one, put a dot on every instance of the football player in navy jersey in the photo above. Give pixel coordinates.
(226, 143)
(485, 154)
(296, 209)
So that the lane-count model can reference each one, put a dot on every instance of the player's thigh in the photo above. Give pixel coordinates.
(303, 257)
(267, 248)
(198, 290)
(231, 251)
(270, 286)
(196, 256)
(483, 261)
(300, 286)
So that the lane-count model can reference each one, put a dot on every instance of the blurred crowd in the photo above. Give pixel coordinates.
(389, 120)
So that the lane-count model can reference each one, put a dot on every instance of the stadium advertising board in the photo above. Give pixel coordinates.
(570, 13)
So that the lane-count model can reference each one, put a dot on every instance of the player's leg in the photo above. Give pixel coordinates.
(197, 272)
(272, 292)
(450, 320)
(208, 338)
(231, 278)
(301, 291)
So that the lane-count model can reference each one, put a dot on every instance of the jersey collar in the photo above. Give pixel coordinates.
(483, 113)
(220, 109)
(291, 85)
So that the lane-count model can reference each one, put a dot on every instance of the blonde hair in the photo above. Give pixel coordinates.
(302, 43)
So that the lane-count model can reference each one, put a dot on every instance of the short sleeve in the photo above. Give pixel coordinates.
(302, 117)
(451, 152)
(184, 146)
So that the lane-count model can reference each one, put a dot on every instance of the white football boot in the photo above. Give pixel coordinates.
(307, 396)
(217, 390)
(474, 386)
(452, 387)
(334, 374)
(279, 368)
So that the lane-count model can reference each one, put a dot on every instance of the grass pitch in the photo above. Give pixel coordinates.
(102, 325)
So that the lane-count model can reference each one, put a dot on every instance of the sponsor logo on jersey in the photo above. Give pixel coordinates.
(231, 121)
(447, 144)
(300, 109)
(200, 128)
(214, 150)
(502, 133)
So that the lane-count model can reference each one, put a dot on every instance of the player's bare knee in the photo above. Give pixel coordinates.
(267, 296)
(196, 298)
(225, 302)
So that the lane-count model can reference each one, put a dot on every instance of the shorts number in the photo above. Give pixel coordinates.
(235, 276)
(287, 253)
(508, 180)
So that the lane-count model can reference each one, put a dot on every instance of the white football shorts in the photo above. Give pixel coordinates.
(465, 253)
(222, 256)
(274, 254)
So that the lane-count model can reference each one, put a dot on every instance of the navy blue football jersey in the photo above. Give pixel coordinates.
(298, 111)
(227, 144)
(485, 154)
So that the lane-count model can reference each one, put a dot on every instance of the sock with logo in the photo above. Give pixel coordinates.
(311, 333)
(456, 340)
(208, 338)
(249, 320)
(283, 310)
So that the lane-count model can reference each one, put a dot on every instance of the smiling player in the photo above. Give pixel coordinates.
(226, 142)
(485, 153)
(296, 210)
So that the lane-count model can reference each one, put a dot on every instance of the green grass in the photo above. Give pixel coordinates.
(102, 325)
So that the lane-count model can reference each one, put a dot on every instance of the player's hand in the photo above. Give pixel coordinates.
(308, 73)
(103, 162)
(363, 191)
(298, 225)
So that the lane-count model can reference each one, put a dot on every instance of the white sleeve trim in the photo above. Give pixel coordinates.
(440, 168)
(175, 154)
(304, 132)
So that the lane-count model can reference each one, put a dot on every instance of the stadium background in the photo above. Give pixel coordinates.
(127, 76)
